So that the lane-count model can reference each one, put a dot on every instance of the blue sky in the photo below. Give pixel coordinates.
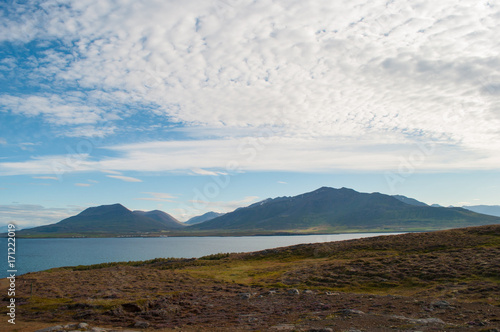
(191, 106)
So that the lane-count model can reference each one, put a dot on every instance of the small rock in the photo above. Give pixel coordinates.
(244, 296)
(326, 329)
(98, 329)
(271, 292)
(51, 329)
(83, 326)
(477, 323)
(141, 325)
(349, 312)
(428, 321)
(441, 304)
(131, 307)
(70, 326)
(293, 291)
(331, 293)
(308, 292)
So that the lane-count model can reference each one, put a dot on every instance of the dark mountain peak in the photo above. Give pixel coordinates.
(104, 209)
(333, 190)
(324, 188)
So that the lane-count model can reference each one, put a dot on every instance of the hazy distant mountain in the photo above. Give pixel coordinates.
(204, 217)
(492, 210)
(436, 205)
(329, 209)
(108, 219)
(408, 200)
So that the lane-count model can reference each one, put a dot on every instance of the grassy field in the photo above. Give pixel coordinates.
(398, 275)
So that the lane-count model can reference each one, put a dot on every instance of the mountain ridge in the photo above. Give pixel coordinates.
(324, 210)
(113, 219)
(330, 209)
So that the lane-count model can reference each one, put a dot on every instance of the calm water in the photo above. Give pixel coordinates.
(41, 254)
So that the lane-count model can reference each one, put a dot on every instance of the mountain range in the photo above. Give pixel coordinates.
(109, 219)
(333, 210)
(325, 210)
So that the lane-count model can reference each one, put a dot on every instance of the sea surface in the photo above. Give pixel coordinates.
(42, 254)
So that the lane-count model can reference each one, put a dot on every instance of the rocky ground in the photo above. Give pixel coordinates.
(440, 281)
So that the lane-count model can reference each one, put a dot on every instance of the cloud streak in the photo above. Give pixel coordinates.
(157, 197)
(124, 178)
(225, 156)
(29, 215)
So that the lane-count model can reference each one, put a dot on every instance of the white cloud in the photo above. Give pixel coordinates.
(28, 215)
(157, 197)
(89, 131)
(82, 184)
(200, 171)
(111, 172)
(3, 141)
(54, 108)
(330, 76)
(46, 177)
(124, 178)
(227, 156)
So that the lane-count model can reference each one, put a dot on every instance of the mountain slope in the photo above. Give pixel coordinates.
(329, 209)
(409, 200)
(112, 219)
(204, 217)
(163, 217)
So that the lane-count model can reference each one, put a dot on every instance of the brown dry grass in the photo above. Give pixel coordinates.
(384, 276)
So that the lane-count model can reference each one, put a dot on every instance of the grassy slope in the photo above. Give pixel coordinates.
(416, 263)
(400, 264)
(460, 264)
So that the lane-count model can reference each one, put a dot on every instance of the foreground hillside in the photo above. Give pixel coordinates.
(438, 281)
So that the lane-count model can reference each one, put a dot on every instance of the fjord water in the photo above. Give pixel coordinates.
(40, 254)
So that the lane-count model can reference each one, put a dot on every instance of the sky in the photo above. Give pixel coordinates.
(190, 106)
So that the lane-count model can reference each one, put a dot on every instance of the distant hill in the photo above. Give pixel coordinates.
(204, 217)
(107, 220)
(408, 200)
(492, 210)
(329, 210)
